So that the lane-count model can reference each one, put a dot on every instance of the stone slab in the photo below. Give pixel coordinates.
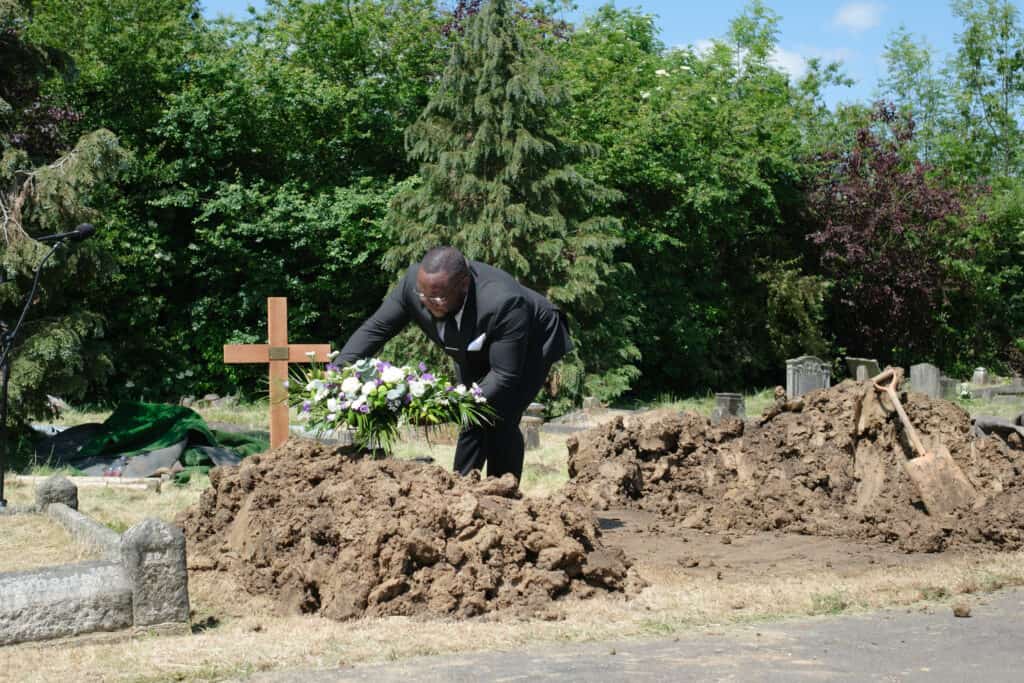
(86, 530)
(64, 601)
(133, 483)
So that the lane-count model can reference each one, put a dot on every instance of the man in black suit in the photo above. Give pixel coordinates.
(501, 335)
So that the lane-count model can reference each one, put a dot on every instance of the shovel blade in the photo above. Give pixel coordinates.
(943, 486)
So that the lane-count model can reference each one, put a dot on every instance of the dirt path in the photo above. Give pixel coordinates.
(930, 645)
(657, 547)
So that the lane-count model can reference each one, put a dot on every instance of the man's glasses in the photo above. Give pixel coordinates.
(436, 300)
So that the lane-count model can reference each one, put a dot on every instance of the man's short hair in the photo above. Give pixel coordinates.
(445, 260)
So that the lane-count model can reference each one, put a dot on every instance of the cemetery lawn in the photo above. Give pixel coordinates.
(31, 541)
(697, 581)
(747, 579)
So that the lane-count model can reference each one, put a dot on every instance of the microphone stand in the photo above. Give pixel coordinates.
(7, 338)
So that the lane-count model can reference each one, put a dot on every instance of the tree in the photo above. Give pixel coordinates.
(913, 85)
(889, 238)
(705, 147)
(60, 349)
(497, 182)
(989, 73)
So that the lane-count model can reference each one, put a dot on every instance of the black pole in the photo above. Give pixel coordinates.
(5, 370)
(7, 338)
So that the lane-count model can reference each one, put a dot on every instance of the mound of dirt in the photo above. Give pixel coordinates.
(817, 465)
(324, 531)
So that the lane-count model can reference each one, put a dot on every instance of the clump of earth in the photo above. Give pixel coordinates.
(827, 464)
(321, 530)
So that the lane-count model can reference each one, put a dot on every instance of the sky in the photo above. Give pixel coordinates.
(851, 32)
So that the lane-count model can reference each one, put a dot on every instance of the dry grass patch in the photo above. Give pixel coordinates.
(31, 541)
(236, 635)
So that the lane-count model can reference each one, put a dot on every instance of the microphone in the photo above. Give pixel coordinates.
(80, 233)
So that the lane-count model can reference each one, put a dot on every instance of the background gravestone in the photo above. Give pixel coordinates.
(862, 368)
(980, 377)
(807, 373)
(924, 377)
(530, 427)
(728, 405)
(949, 388)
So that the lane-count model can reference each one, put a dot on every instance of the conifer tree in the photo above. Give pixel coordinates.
(496, 181)
(43, 191)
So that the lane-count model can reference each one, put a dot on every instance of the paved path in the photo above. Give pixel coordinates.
(892, 645)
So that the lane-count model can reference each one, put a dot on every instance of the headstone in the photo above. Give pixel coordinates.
(56, 489)
(153, 555)
(924, 377)
(535, 410)
(807, 373)
(949, 388)
(980, 377)
(862, 368)
(530, 427)
(728, 405)
(591, 404)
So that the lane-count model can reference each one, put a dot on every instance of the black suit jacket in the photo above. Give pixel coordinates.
(523, 334)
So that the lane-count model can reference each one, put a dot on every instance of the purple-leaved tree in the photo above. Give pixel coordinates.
(888, 236)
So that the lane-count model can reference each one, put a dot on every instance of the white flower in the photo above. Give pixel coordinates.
(661, 72)
(368, 387)
(310, 354)
(685, 68)
(332, 355)
(644, 95)
(460, 389)
(332, 405)
(313, 385)
(393, 375)
(417, 388)
(358, 402)
(331, 417)
(351, 385)
(321, 394)
(286, 384)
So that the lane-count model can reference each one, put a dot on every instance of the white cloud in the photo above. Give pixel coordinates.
(790, 62)
(858, 16)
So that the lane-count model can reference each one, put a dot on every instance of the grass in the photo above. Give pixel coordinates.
(30, 541)
(998, 408)
(236, 635)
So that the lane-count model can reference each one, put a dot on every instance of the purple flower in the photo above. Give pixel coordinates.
(410, 378)
(306, 406)
(449, 388)
(378, 382)
(407, 399)
(477, 391)
(423, 366)
(364, 409)
(427, 377)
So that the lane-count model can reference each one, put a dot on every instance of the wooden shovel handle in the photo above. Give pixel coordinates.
(891, 377)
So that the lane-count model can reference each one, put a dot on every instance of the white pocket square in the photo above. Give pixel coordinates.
(477, 343)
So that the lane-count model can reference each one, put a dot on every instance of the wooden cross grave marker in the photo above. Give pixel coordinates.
(279, 353)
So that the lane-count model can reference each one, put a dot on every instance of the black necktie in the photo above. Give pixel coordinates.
(451, 333)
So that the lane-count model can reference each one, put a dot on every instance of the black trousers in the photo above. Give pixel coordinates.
(500, 445)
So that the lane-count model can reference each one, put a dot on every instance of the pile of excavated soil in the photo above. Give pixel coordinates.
(817, 465)
(324, 531)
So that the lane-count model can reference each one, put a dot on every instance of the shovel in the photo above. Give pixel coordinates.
(943, 486)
